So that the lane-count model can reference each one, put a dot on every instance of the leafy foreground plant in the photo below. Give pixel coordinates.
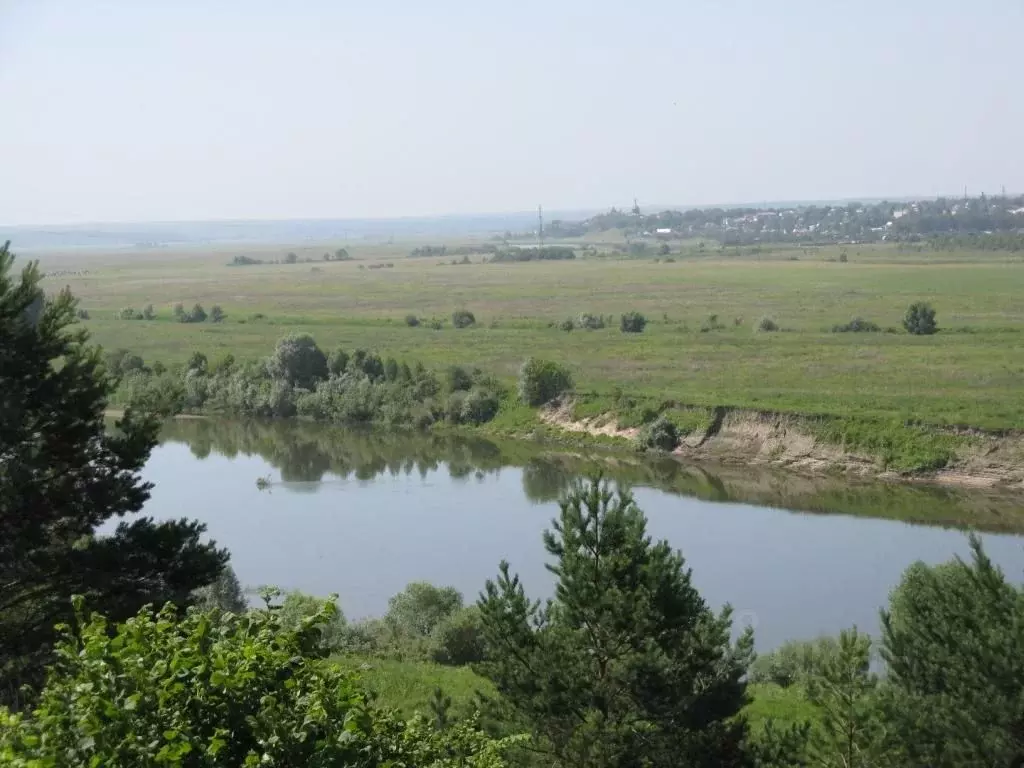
(627, 665)
(219, 689)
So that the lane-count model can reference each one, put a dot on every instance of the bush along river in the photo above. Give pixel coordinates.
(322, 510)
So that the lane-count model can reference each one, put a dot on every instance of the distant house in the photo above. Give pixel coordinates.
(663, 232)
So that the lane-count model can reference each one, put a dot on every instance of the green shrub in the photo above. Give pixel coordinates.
(453, 407)
(367, 363)
(541, 381)
(458, 378)
(711, 324)
(457, 638)
(337, 361)
(589, 322)
(795, 661)
(163, 395)
(195, 315)
(148, 313)
(566, 325)
(419, 608)
(920, 319)
(632, 322)
(412, 321)
(222, 365)
(298, 361)
(120, 362)
(660, 435)
(217, 314)
(463, 318)
(766, 325)
(224, 594)
(856, 325)
(129, 314)
(223, 690)
(297, 607)
(197, 362)
(479, 406)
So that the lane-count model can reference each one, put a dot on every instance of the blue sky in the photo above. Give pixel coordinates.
(151, 110)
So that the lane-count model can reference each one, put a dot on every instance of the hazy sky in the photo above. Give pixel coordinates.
(160, 110)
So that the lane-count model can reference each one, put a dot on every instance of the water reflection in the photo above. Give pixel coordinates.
(363, 514)
(307, 454)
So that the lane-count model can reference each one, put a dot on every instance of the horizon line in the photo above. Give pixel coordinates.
(764, 204)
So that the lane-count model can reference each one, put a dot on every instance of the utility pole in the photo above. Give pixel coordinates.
(540, 226)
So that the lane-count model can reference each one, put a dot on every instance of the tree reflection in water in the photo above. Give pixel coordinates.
(305, 454)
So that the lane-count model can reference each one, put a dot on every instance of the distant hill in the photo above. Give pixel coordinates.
(199, 233)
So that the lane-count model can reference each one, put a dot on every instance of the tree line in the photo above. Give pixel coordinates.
(359, 387)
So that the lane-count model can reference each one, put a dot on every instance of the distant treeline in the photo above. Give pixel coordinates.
(426, 251)
(545, 253)
(515, 253)
(341, 254)
(986, 241)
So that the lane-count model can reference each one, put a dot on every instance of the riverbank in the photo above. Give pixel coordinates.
(306, 454)
(818, 445)
(803, 446)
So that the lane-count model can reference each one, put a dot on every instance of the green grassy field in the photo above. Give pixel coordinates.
(971, 373)
(408, 686)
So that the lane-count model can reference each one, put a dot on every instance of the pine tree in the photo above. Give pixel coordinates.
(953, 640)
(627, 665)
(843, 690)
(62, 476)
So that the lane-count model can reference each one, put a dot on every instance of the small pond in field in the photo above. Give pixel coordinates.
(363, 514)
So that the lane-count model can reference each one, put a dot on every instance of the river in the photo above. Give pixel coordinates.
(363, 514)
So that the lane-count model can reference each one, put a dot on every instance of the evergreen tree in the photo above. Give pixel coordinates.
(843, 689)
(62, 476)
(953, 639)
(627, 665)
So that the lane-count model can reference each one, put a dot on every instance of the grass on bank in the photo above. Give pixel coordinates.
(409, 686)
(898, 446)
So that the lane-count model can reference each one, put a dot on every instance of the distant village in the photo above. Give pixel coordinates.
(853, 222)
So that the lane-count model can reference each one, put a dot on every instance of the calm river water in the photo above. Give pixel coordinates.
(364, 514)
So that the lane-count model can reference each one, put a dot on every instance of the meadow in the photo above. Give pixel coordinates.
(409, 687)
(971, 373)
